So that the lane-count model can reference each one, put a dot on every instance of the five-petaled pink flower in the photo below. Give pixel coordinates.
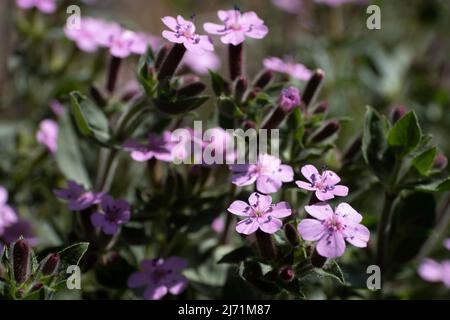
(259, 213)
(325, 185)
(433, 271)
(236, 26)
(78, 197)
(157, 147)
(8, 216)
(47, 134)
(45, 6)
(331, 229)
(268, 173)
(160, 276)
(114, 213)
(183, 31)
(289, 67)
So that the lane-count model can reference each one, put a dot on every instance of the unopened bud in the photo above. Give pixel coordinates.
(322, 107)
(97, 96)
(113, 73)
(36, 287)
(312, 88)
(248, 124)
(266, 246)
(263, 79)
(21, 261)
(240, 86)
(291, 235)
(235, 60)
(352, 151)
(287, 274)
(191, 89)
(171, 62)
(398, 112)
(326, 131)
(50, 264)
(317, 260)
(289, 99)
(161, 55)
(440, 162)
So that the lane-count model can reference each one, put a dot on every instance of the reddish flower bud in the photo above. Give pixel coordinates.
(21, 261)
(326, 131)
(266, 246)
(36, 287)
(240, 86)
(235, 60)
(161, 55)
(50, 264)
(398, 112)
(171, 62)
(440, 162)
(263, 79)
(113, 73)
(287, 274)
(289, 99)
(322, 107)
(291, 235)
(191, 89)
(313, 87)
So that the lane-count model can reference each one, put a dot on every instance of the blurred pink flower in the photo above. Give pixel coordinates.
(45, 6)
(78, 197)
(295, 70)
(332, 228)
(157, 147)
(57, 108)
(260, 213)
(447, 243)
(125, 43)
(47, 134)
(237, 26)
(289, 98)
(218, 143)
(160, 276)
(218, 224)
(183, 31)
(7, 214)
(291, 6)
(325, 184)
(201, 64)
(434, 271)
(268, 173)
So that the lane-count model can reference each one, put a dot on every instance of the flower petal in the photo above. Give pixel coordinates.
(331, 245)
(175, 264)
(305, 185)
(280, 210)
(309, 171)
(331, 177)
(311, 229)
(430, 270)
(214, 28)
(138, 279)
(339, 190)
(247, 226)
(233, 37)
(285, 173)
(155, 292)
(170, 22)
(320, 211)
(176, 284)
(268, 184)
(240, 208)
(350, 215)
(259, 201)
(269, 224)
(172, 37)
(98, 219)
(324, 196)
(358, 235)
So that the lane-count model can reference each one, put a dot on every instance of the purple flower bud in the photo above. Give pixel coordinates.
(326, 131)
(352, 151)
(398, 112)
(191, 89)
(113, 72)
(97, 96)
(291, 235)
(240, 86)
(248, 124)
(171, 62)
(21, 261)
(287, 274)
(322, 107)
(50, 264)
(289, 99)
(440, 162)
(312, 87)
(161, 55)
(266, 246)
(235, 60)
(263, 79)
(36, 287)
(317, 260)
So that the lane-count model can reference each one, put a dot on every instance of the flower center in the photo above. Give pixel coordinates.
(334, 224)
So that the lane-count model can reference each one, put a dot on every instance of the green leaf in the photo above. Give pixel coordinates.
(90, 120)
(180, 106)
(331, 270)
(229, 108)
(374, 145)
(424, 161)
(72, 255)
(405, 135)
(68, 154)
(219, 84)
(145, 78)
(441, 185)
(237, 255)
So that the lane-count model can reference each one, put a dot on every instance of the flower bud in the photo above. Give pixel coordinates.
(235, 60)
(317, 260)
(36, 287)
(97, 96)
(289, 99)
(312, 87)
(263, 79)
(248, 124)
(161, 55)
(398, 112)
(322, 107)
(191, 89)
(21, 261)
(240, 86)
(113, 72)
(440, 162)
(352, 151)
(50, 264)
(171, 62)
(326, 131)
(291, 235)
(266, 246)
(287, 274)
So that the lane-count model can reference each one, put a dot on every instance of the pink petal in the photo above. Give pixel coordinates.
(430, 270)
(259, 201)
(447, 243)
(233, 37)
(195, 48)
(251, 17)
(164, 156)
(170, 22)
(3, 196)
(120, 51)
(340, 191)
(267, 184)
(142, 156)
(137, 279)
(320, 211)
(176, 284)
(172, 37)
(244, 179)
(155, 292)
(257, 32)
(240, 208)
(280, 210)
(349, 214)
(274, 64)
(331, 177)
(324, 196)
(285, 173)
(305, 185)
(308, 171)
(270, 225)
(311, 229)
(358, 235)
(214, 28)
(247, 226)
(206, 43)
(332, 245)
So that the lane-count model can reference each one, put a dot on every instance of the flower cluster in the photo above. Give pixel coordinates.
(45, 6)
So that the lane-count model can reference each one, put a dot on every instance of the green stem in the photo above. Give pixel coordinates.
(229, 219)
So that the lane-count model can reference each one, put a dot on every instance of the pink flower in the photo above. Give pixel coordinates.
(160, 276)
(236, 26)
(78, 197)
(8, 216)
(57, 108)
(268, 173)
(434, 271)
(332, 228)
(260, 213)
(183, 31)
(47, 134)
(201, 64)
(289, 98)
(218, 224)
(45, 6)
(295, 70)
(291, 6)
(447, 243)
(125, 43)
(157, 147)
(325, 184)
(114, 213)
(217, 147)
